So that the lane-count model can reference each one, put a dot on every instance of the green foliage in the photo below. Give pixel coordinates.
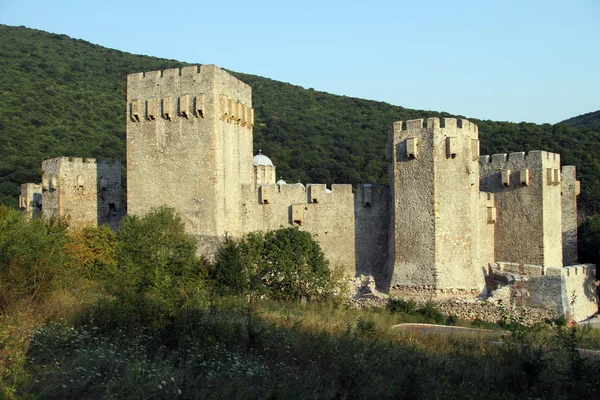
(285, 264)
(158, 269)
(428, 311)
(92, 251)
(589, 240)
(32, 257)
(231, 273)
(396, 306)
(77, 90)
(297, 353)
(589, 120)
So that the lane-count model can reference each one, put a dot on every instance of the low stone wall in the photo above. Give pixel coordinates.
(494, 309)
(568, 290)
(493, 312)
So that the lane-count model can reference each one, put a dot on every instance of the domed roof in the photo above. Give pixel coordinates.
(261, 159)
(281, 182)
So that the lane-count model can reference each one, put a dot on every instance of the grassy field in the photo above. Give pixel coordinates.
(69, 346)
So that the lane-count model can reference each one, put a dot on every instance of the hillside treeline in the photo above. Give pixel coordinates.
(61, 96)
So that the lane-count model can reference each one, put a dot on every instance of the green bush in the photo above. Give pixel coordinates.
(431, 312)
(158, 269)
(285, 264)
(396, 306)
(589, 240)
(32, 257)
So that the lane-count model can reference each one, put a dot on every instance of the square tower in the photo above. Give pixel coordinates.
(434, 176)
(69, 190)
(30, 200)
(189, 146)
(571, 188)
(527, 191)
(83, 191)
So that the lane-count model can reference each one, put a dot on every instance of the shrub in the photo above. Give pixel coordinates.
(93, 251)
(396, 306)
(32, 258)
(285, 264)
(431, 312)
(158, 268)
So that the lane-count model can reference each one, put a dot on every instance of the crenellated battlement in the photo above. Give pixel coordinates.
(108, 163)
(535, 157)
(67, 161)
(192, 70)
(436, 123)
(537, 271)
(314, 193)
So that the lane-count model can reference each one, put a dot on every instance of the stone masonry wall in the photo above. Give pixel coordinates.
(189, 146)
(487, 223)
(371, 219)
(434, 178)
(69, 190)
(527, 195)
(329, 217)
(30, 200)
(109, 193)
(570, 191)
(561, 289)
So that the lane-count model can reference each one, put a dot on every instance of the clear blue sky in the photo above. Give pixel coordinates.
(525, 60)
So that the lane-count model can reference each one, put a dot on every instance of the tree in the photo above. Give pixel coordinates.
(158, 269)
(285, 264)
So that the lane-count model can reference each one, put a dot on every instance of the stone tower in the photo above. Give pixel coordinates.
(83, 191)
(30, 200)
(434, 179)
(527, 189)
(189, 146)
(571, 188)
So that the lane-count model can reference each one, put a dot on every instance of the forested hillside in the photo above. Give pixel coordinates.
(587, 120)
(61, 96)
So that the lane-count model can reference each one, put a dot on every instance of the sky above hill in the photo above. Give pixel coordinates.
(510, 60)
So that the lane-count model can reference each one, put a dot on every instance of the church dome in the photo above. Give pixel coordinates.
(261, 159)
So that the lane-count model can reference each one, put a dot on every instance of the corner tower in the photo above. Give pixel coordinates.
(527, 189)
(434, 180)
(189, 145)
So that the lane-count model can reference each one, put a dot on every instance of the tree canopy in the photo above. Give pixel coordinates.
(66, 97)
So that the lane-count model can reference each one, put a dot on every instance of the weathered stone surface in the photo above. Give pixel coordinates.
(83, 191)
(445, 217)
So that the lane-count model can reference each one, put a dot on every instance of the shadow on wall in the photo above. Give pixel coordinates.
(371, 226)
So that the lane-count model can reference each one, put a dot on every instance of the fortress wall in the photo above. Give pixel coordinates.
(30, 200)
(50, 195)
(570, 190)
(456, 206)
(579, 290)
(412, 226)
(527, 195)
(434, 177)
(189, 145)
(563, 289)
(371, 226)
(109, 193)
(487, 222)
(69, 190)
(329, 217)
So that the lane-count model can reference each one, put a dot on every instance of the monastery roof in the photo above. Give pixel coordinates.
(261, 159)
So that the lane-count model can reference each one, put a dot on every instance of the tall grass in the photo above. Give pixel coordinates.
(228, 348)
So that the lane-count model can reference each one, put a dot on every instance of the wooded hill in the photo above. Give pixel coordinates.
(587, 120)
(65, 97)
